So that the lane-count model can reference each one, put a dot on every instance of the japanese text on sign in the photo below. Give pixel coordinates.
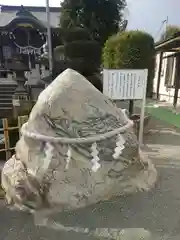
(124, 84)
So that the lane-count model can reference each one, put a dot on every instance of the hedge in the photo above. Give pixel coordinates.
(131, 50)
(83, 67)
(109, 52)
(81, 54)
(76, 34)
(58, 52)
(88, 50)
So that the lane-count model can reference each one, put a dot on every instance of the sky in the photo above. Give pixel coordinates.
(54, 3)
(145, 15)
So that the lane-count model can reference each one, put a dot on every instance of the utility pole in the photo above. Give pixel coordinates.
(49, 40)
(166, 26)
(167, 20)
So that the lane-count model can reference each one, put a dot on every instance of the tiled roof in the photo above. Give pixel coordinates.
(6, 18)
(54, 18)
(8, 8)
(8, 15)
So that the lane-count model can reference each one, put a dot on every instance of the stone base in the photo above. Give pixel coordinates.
(145, 180)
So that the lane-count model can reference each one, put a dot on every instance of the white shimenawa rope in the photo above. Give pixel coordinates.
(93, 139)
(96, 159)
(68, 159)
(119, 146)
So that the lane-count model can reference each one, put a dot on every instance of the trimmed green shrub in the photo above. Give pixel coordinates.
(58, 53)
(59, 67)
(83, 67)
(109, 52)
(88, 50)
(59, 49)
(75, 34)
(96, 81)
(86, 68)
(80, 53)
(131, 50)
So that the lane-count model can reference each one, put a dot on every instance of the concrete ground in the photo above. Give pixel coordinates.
(157, 211)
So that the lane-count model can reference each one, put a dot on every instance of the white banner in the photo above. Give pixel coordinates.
(30, 50)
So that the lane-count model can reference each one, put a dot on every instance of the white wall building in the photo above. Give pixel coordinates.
(167, 77)
(167, 70)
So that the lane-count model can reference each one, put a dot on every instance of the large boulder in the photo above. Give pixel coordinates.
(76, 149)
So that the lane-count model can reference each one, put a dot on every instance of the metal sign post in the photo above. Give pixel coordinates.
(141, 127)
(127, 84)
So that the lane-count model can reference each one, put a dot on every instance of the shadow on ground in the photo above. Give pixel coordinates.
(157, 211)
(162, 133)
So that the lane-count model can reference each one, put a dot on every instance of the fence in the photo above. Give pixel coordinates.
(6, 129)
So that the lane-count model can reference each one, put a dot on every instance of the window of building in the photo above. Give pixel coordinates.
(3, 74)
(7, 52)
(169, 77)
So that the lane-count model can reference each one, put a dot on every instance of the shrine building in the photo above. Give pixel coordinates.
(23, 35)
(23, 32)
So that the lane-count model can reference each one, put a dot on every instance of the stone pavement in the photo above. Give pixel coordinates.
(157, 211)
